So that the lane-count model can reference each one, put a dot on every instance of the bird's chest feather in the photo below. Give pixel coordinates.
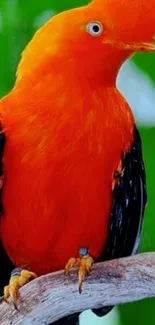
(57, 193)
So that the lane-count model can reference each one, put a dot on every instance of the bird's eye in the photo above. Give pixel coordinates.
(94, 28)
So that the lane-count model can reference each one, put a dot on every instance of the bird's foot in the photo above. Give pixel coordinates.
(84, 264)
(19, 277)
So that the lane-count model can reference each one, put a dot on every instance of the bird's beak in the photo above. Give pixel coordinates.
(134, 47)
(140, 47)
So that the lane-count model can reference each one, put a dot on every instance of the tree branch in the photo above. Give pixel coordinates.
(50, 297)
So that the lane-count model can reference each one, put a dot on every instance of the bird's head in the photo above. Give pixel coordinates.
(128, 24)
(94, 39)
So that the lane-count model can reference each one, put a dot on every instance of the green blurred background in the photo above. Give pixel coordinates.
(18, 21)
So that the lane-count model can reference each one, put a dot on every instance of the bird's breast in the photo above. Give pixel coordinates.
(58, 190)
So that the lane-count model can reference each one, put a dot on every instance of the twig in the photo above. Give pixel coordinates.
(52, 296)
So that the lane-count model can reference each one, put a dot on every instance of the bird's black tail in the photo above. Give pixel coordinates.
(69, 320)
(74, 319)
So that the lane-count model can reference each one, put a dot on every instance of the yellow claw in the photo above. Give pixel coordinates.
(84, 264)
(70, 264)
(19, 277)
(84, 269)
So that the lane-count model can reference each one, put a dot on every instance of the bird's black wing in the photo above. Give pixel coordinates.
(6, 267)
(5, 264)
(128, 205)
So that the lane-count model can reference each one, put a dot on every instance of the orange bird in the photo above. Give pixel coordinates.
(71, 158)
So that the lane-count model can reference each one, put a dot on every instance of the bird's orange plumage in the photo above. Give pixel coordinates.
(66, 127)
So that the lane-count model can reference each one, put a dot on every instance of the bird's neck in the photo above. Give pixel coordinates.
(64, 114)
(55, 92)
(100, 68)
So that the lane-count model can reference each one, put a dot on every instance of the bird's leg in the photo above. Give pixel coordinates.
(19, 277)
(84, 265)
